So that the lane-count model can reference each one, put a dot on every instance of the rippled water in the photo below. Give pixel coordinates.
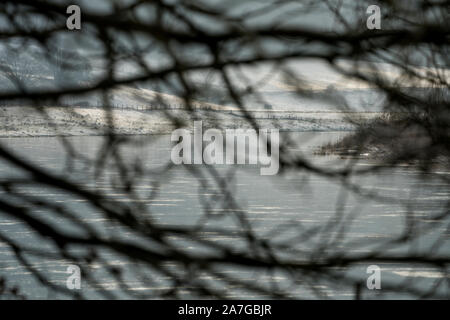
(292, 197)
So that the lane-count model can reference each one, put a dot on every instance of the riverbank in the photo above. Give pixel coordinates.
(390, 141)
(23, 121)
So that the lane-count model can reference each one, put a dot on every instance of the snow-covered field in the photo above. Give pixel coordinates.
(74, 121)
(23, 121)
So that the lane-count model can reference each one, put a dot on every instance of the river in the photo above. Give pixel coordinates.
(268, 201)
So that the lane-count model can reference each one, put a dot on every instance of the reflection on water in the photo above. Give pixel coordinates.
(291, 199)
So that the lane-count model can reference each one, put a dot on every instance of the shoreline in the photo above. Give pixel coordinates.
(79, 121)
(147, 134)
